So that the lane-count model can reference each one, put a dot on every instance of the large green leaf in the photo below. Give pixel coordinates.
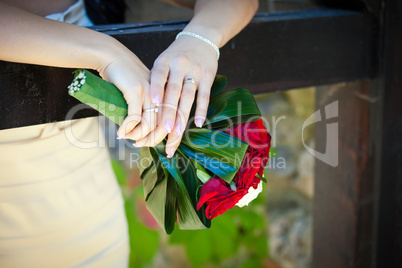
(172, 166)
(187, 217)
(156, 180)
(218, 85)
(152, 174)
(232, 107)
(189, 174)
(217, 151)
(103, 96)
(171, 197)
(183, 171)
(156, 202)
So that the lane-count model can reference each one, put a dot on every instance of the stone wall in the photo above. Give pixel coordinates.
(290, 175)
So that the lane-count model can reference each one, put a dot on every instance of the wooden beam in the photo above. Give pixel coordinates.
(386, 141)
(275, 52)
(358, 204)
(344, 194)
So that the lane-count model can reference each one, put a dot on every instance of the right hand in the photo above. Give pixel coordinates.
(126, 71)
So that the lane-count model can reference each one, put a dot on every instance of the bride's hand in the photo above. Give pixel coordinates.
(186, 58)
(126, 71)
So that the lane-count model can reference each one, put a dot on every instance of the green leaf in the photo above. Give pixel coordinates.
(201, 172)
(218, 84)
(182, 170)
(156, 202)
(232, 107)
(217, 151)
(261, 178)
(218, 166)
(152, 174)
(102, 96)
(172, 166)
(170, 213)
(187, 217)
(199, 167)
(161, 206)
(203, 176)
(193, 184)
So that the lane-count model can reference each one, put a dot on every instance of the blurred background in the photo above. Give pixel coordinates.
(275, 230)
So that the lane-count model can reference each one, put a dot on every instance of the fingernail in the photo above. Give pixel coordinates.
(156, 100)
(199, 122)
(136, 145)
(168, 126)
(121, 136)
(178, 130)
(171, 153)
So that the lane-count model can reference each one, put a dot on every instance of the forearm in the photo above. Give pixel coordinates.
(220, 20)
(28, 38)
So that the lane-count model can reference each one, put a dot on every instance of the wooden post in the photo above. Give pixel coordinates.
(386, 140)
(343, 195)
(358, 205)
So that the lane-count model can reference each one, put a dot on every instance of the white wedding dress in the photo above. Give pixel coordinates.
(60, 205)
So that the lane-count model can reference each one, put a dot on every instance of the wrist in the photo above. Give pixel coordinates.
(202, 39)
(106, 52)
(210, 33)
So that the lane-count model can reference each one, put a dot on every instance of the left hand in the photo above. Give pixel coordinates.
(187, 57)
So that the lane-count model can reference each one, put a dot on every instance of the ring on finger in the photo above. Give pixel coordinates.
(151, 110)
(192, 81)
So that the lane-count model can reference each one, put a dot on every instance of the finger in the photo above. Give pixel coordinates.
(172, 144)
(148, 120)
(134, 111)
(186, 102)
(148, 123)
(171, 99)
(153, 138)
(204, 91)
(159, 76)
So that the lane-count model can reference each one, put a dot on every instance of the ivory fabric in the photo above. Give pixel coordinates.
(60, 204)
(76, 14)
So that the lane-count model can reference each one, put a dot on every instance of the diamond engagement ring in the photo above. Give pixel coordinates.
(192, 81)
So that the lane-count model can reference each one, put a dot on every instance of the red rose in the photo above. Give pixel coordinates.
(216, 193)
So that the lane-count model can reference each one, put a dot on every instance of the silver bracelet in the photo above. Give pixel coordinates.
(209, 42)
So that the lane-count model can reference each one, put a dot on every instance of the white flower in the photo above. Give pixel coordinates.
(250, 196)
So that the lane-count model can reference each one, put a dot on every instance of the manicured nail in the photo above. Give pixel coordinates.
(156, 100)
(136, 145)
(168, 126)
(171, 153)
(199, 122)
(178, 130)
(121, 136)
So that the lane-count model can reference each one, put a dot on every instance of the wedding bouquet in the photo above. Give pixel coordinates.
(215, 167)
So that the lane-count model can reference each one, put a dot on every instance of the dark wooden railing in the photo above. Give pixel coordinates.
(275, 52)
